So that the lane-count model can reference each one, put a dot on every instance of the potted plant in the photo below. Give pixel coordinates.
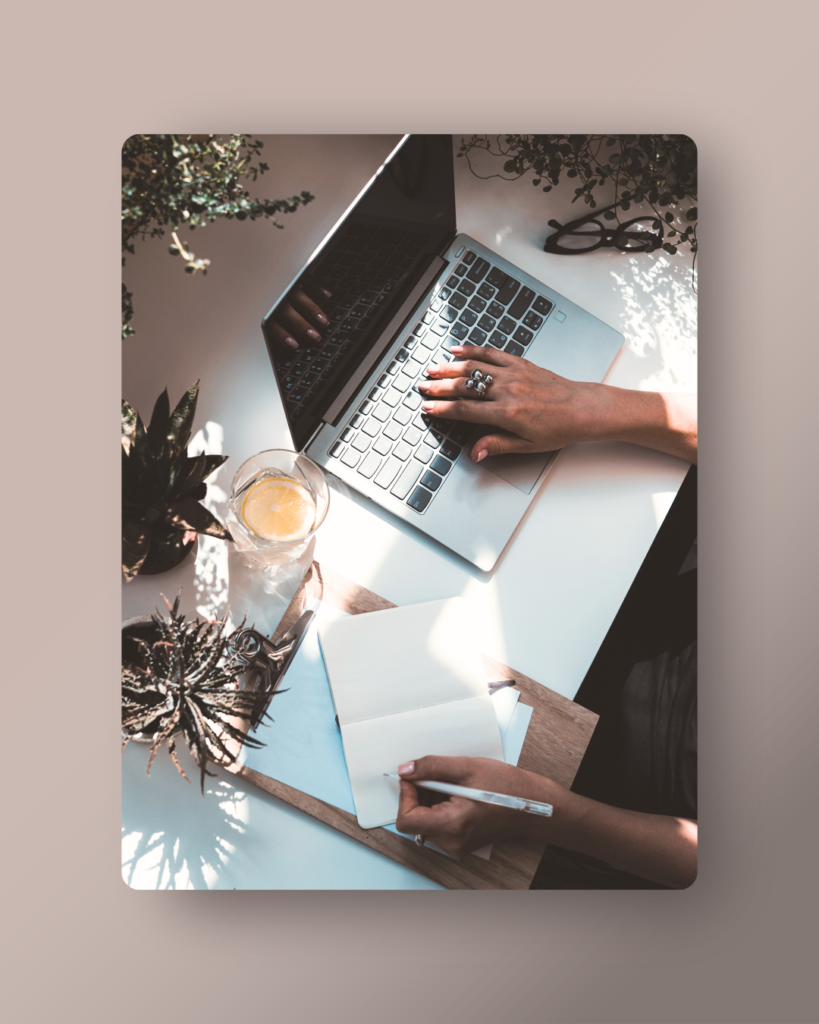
(162, 487)
(182, 678)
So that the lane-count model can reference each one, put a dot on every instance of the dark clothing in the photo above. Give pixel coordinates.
(643, 685)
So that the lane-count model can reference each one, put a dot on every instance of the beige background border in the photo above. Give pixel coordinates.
(740, 945)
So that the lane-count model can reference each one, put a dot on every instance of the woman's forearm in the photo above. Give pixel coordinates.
(666, 422)
(654, 846)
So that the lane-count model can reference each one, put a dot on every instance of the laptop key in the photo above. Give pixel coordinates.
(476, 304)
(449, 450)
(486, 323)
(466, 287)
(440, 466)
(468, 317)
(381, 413)
(347, 434)
(350, 458)
(496, 277)
(508, 290)
(410, 369)
(412, 436)
(420, 499)
(486, 291)
(402, 416)
(433, 438)
(406, 480)
(430, 341)
(393, 430)
(423, 454)
(453, 281)
(521, 303)
(402, 451)
(459, 270)
(336, 449)
(469, 257)
(542, 305)
(522, 336)
(401, 383)
(495, 309)
(371, 427)
(458, 301)
(532, 320)
(388, 472)
(431, 480)
(478, 269)
(449, 313)
(440, 327)
(412, 400)
(370, 464)
(458, 331)
(460, 435)
(382, 445)
(392, 398)
(514, 349)
(477, 336)
(497, 339)
(507, 325)
(361, 442)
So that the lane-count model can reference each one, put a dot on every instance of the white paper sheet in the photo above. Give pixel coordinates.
(406, 682)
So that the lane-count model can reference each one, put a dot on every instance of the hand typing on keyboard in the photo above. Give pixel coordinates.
(299, 318)
(530, 409)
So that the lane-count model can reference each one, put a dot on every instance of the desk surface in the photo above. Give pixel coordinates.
(556, 588)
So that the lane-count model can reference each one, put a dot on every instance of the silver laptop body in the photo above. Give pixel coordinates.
(365, 424)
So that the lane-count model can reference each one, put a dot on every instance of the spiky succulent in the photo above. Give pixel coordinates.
(183, 678)
(162, 486)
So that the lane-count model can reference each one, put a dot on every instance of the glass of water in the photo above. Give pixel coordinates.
(278, 501)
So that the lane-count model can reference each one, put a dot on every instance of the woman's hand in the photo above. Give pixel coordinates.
(299, 317)
(456, 824)
(529, 409)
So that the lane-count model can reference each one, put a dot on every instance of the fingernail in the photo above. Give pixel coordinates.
(291, 342)
(423, 387)
(428, 406)
(326, 293)
(481, 455)
(456, 348)
(407, 769)
(431, 371)
(322, 319)
(313, 335)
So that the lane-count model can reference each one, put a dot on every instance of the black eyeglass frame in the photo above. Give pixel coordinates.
(609, 237)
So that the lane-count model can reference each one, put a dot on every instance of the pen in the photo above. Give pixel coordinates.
(515, 803)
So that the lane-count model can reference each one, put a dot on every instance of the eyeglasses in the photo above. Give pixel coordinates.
(642, 234)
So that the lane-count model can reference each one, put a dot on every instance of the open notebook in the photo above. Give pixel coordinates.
(406, 682)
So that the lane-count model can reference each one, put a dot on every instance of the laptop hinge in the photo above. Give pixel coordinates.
(393, 327)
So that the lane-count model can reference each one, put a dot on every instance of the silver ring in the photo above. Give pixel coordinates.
(420, 840)
(479, 382)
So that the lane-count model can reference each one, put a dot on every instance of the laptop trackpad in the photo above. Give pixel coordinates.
(522, 471)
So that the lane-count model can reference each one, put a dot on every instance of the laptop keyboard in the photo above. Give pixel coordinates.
(388, 438)
(362, 268)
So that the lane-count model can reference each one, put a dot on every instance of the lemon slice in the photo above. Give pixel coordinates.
(279, 509)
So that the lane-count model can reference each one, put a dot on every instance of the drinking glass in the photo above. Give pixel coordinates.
(278, 501)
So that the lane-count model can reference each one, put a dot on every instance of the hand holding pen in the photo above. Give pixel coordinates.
(460, 824)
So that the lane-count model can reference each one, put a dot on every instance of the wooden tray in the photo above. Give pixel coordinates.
(556, 740)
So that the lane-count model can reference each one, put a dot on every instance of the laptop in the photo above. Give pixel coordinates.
(405, 287)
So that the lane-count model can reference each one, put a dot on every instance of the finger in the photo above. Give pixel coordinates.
(444, 769)
(412, 818)
(447, 389)
(467, 409)
(282, 336)
(295, 324)
(458, 368)
(500, 444)
(308, 309)
(489, 354)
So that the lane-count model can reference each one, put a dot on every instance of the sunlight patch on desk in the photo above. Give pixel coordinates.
(659, 323)
(662, 501)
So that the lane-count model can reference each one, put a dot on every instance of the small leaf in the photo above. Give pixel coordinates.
(181, 423)
(136, 538)
(188, 514)
(669, 248)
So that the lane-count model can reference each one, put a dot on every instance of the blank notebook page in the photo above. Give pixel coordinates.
(406, 682)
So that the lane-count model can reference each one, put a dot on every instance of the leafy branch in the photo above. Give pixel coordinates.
(660, 170)
(175, 181)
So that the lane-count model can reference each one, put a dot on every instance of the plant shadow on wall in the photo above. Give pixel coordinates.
(657, 171)
(171, 182)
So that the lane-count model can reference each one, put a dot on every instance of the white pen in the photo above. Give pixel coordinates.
(515, 803)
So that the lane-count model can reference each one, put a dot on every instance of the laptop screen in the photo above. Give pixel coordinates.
(359, 277)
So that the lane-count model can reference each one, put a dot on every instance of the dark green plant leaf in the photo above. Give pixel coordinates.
(136, 538)
(160, 422)
(192, 471)
(188, 514)
(671, 249)
(129, 418)
(179, 433)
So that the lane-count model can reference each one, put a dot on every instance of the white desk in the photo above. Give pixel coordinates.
(558, 585)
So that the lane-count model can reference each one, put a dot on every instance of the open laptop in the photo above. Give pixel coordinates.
(405, 286)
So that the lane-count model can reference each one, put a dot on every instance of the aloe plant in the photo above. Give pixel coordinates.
(183, 678)
(162, 487)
